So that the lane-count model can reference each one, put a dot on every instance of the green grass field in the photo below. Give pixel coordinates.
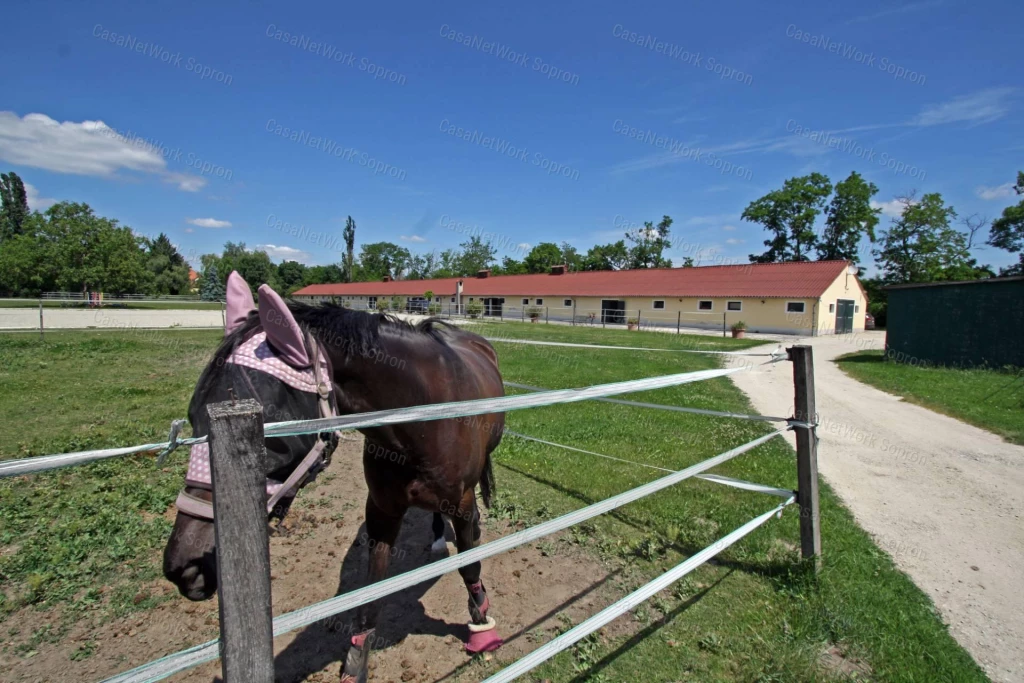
(990, 399)
(754, 614)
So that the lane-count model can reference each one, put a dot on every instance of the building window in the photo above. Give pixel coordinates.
(567, 303)
(540, 302)
(831, 308)
(470, 298)
(734, 306)
(371, 302)
(856, 308)
(705, 306)
(526, 302)
(794, 307)
(453, 300)
(659, 305)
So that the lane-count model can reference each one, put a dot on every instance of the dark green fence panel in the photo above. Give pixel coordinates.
(958, 324)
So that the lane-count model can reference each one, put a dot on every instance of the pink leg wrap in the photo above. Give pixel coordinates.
(483, 638)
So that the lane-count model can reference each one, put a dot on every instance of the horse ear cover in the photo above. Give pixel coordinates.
(283, 333)
(239, 302)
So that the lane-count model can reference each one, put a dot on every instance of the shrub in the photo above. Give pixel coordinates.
(738, 326)
(534, 312)
(474, 308)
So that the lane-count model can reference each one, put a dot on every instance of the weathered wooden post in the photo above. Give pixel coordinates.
(574, 312)
(238, 460)
(806, 454)
(723, 323)
(679, 321)
(546, 321)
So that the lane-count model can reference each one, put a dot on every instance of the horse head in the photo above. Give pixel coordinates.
(266, 356)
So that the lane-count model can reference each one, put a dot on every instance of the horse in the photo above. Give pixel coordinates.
(303, 361)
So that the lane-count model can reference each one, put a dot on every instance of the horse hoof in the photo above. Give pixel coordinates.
(483, 637)
(439, 546)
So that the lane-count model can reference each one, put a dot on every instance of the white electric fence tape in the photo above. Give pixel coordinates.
(436, 411)
(605, 616)
(507, 340)
(161, 668)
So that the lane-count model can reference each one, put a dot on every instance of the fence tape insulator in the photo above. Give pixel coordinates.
(434, 411)
(617, 609)
(171, 664)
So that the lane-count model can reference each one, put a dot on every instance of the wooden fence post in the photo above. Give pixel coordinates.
(679, 321)
(574, 312)
(40, 320)
(806, 454)
(238, 460)
(723, 323)
(546, 321)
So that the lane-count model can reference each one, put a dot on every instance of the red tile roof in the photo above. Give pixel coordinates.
(803, 280)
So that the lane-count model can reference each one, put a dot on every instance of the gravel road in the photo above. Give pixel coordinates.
(943, 498)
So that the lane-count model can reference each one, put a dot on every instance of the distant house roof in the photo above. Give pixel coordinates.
(192, 275)
(803, 280)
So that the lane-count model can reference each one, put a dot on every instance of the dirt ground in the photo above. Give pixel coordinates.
(423, 628)
(943, 498)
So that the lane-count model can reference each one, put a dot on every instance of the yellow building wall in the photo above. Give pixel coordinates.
(768, 315)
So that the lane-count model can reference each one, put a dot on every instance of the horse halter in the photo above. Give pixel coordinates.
(257, 354)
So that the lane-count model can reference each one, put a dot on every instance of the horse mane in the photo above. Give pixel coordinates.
(354, 332)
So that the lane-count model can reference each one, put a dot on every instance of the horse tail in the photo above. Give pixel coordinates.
(487, 486)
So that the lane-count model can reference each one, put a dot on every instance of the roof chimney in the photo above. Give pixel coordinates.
(558, 270)
(386, 278)
(486, 272)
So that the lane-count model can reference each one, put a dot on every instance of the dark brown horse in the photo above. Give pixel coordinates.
(377, 363)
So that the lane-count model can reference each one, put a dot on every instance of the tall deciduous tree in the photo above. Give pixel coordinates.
(850, 217)
(476, 255)
(1007, 231)
(542, 257)
(613, 256)
(922, 246)
(382, 259)
(789, 215)
(167, 267)
(649, 244)
(14, 209)
(349, 265)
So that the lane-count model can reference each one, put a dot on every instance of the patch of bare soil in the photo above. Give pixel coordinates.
(422, 629)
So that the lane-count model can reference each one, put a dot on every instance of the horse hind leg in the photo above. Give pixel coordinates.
(381, 533)
(437, 526)
(483, 633)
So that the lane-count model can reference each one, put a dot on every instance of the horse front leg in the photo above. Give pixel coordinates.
(483, 633)
(381, 532)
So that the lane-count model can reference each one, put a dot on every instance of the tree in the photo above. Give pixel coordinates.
(291, 276)
(213, 287)
(382, 259)
(348, 266)
(922, 246)
(27, 266)
(14, 209)
(510, 266)
(168, 269)
(649, 243)
(849, 218)
(319, 275)
(476, 255)
(542, 257)
(571, 258)
(1007, 231)
(789, 214)
(613, 256)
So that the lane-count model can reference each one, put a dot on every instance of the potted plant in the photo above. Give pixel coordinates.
(534, 313)
(382, 305)
(474, 309)
(739, 330)
(632, 323)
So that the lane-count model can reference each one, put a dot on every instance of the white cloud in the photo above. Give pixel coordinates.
(412, 238)
(733, 240)
(285, 253)
(35, 201)
(892, 208)
(208, 222)
(190, 230)
(980, 107)
(90, 148)
(728, 228)
(998, 192)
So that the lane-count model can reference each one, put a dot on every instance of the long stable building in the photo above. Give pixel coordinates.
(814, 297)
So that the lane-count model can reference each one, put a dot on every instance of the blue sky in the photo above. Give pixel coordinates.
(268, 122)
